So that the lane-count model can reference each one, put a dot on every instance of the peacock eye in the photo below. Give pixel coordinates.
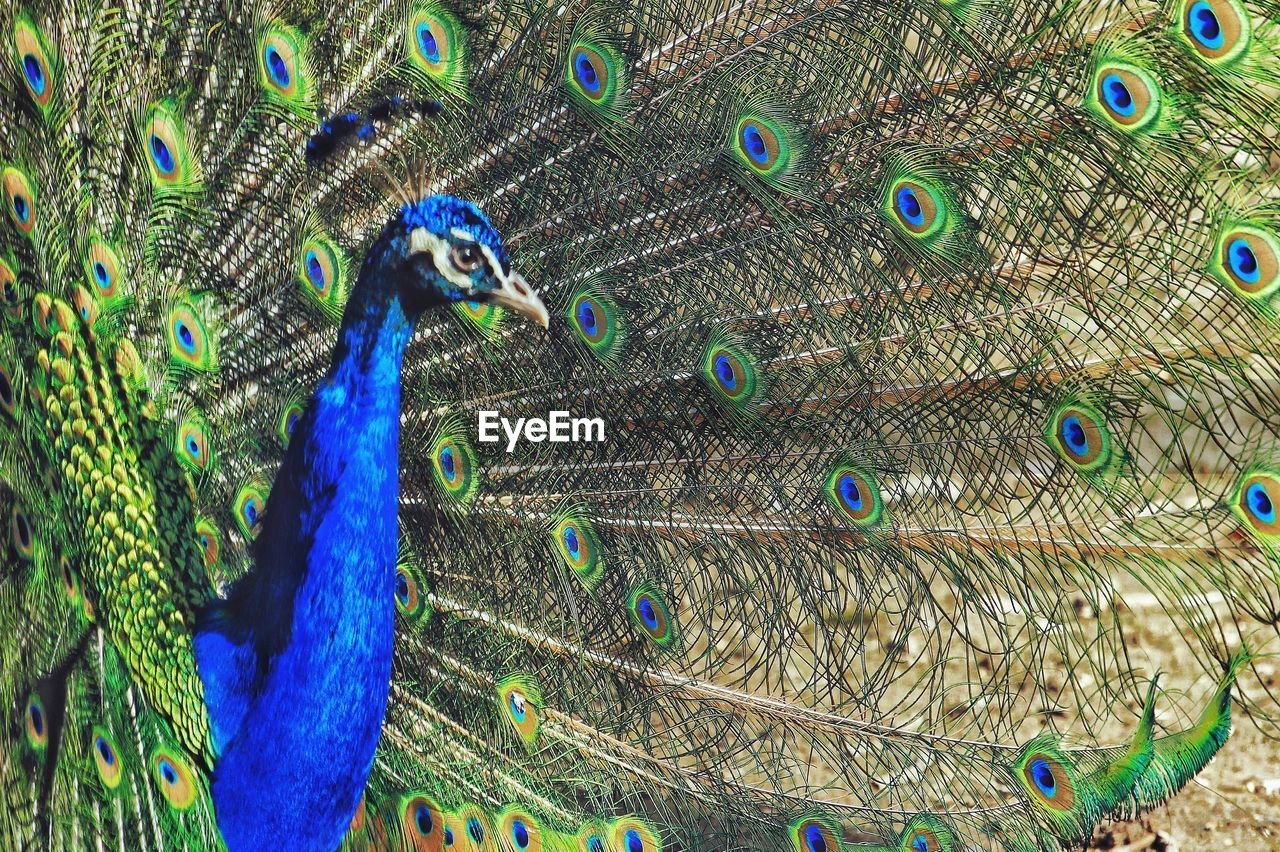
(466, 257)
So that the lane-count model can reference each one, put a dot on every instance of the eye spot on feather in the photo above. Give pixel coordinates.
(322, 272)
(8, 402)
(1045, 778)
(281, 65)
(248, 507)
(917, 208)
(166, 148)
(37, 723)
(288, 422)
(576, 542)
(1041, 775)
(854, 495)
(192, 447)
(633, 835)
(422, 822)
(519, 831)
(813, 834)
(1247, 260)
(436, 47)
(1257, 501)
(106, 759)
(408, 594)
(208, 542)
(1081, 437)
(34, 61)
(1126, 95)
(590, 72)
(594, 320)
(519, 699)
(453, 465)
(730, 373)
(924, 840)
(190, 345)
(174, 779)
(20, 531)
(9, 290)
(1218, 31)
(21, 200)
(764, 146)
(650, 612)
(70, 582)
(594, 77)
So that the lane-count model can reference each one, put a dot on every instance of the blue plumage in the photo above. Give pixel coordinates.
(296, 662)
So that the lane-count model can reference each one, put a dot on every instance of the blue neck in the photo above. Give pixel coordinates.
(296, 663)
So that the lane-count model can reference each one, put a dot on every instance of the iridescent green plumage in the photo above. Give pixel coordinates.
(924, 336)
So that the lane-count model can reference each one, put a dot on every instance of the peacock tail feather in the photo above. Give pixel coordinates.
(920, 332)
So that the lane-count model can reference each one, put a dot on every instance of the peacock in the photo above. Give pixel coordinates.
(919, 340)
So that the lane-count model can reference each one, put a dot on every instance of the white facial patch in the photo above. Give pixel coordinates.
(422, 241)
(488, 253)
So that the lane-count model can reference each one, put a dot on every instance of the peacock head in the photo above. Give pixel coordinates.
(443, 249)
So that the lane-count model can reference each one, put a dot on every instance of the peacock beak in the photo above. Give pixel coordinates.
(516, 294)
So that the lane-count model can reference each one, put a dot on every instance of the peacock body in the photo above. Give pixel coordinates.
(922, 334)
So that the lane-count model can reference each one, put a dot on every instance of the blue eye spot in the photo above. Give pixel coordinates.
(586, 72)
(422, 817)
(518, 707)
(850, 495)
(724, 372)
(920, 843)
(447, 463)
(1118, 96)
(595, 844)
(21, 209)
(108, 756)
(185, 338)
(634, 843)
(475, 830)
(520, 834)
(909, 206)
(427, 43)
(1244, 263)
(167, 772)
(402, 588)
(448, 836)
(814, 839)
(251, 512)
(648, 613)
(277, 70)
(192, 447)
(24, 532)
(100, 275)
(571, 543)
(37, 718)
(35, 73)
(314, 270)
(753, 142)
(587, 317)
(1204, 25)
(291, 422)
(1260, 503)
(162, 156)
(1042, 775)
(1074, 435)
